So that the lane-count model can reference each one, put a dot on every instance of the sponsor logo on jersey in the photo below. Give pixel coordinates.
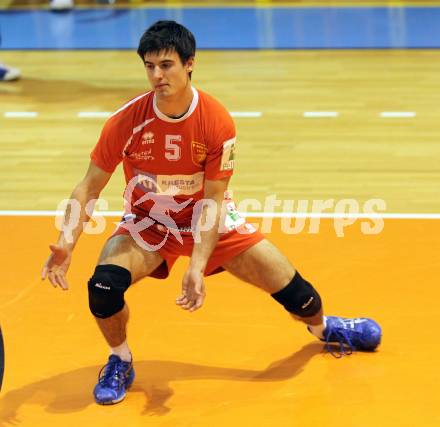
(227, 162)
(186, 184)
(198, 153)
(146, 182)
(142, 155)
(148, 138)
(182, 185)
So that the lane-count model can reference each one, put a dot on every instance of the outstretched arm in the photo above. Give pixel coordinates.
(88, 189)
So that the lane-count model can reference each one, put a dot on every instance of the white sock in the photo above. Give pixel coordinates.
(318, 330)
(123, 351)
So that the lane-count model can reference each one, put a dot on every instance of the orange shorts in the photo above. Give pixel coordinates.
(161, 240)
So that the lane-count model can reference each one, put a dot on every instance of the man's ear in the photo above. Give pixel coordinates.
(190, 63)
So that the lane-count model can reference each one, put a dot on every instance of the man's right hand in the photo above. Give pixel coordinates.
(56, 266)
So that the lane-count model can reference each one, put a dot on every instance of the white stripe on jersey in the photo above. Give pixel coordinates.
(135, 130)
(142, 125)
(130, 102)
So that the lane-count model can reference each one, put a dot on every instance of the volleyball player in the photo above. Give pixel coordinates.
(176, 144)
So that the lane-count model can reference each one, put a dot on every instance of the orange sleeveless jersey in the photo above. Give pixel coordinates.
(166, 160)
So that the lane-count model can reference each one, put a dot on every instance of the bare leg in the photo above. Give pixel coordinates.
(114, 328)
(264, 266)
(123, 251)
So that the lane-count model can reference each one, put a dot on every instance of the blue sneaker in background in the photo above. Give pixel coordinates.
(8, 74)
(114, 379)
(353, 334)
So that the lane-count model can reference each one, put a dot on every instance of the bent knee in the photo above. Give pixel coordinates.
(106, 290)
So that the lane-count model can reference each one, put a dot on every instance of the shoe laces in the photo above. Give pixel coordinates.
(339, 335)
(112, 374)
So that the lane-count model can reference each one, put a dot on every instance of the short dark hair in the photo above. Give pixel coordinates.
(168, 36)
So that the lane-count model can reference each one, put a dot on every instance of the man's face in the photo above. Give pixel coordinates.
(166, 73)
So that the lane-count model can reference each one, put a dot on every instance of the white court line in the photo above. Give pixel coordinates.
(395, 114)
(93, 114)
(313, 114)
(237, 114)
(336, 215)
(105, 114)
(52, 213)
(246, 114)
(20, 114)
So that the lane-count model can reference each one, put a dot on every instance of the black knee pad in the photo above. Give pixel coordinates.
(299, 297)
(106, 290)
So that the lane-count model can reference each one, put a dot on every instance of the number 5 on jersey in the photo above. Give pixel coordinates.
(172, 149)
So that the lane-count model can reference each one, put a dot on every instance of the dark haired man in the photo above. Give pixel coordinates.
(176, 144)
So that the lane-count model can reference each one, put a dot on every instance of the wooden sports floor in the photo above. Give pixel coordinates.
(241, 360)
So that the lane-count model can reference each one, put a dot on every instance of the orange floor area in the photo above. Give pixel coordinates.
(240, 360)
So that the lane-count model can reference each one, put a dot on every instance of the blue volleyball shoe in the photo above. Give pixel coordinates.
(114, 380)
(351, 334)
